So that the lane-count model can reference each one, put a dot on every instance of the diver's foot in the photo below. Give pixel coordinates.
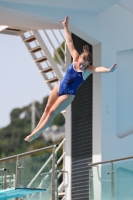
(30, 137)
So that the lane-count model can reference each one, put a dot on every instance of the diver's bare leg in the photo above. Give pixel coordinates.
(51, 100)
(61, 103)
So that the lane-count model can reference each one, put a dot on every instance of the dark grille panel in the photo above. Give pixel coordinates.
(81, 134)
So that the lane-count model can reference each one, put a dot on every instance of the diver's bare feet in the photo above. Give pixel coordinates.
(30, 137)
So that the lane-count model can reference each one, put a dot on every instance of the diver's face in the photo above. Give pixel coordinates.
(82, 63)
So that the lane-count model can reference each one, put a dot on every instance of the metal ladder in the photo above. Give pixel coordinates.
(42, 56)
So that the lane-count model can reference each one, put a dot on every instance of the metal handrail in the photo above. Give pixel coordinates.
(42, 168)
(57, 54)
(109, 161)
(49, 159)
(3, 169)
(58, 42)
(27, 153)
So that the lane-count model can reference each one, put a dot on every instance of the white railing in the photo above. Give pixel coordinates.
(52, 45)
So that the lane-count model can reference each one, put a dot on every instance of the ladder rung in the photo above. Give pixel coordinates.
(35, 49)
(52, 80)
(41, 59)
(30, 39)
(48, 69)
(13, 29)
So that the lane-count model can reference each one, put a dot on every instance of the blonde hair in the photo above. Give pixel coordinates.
(86, 55)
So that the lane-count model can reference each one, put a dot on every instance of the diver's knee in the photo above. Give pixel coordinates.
(51, 113)
(47, 108)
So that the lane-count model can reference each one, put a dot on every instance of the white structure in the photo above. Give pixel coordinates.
(107, 26)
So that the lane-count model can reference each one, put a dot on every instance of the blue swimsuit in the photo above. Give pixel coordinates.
(71, 81)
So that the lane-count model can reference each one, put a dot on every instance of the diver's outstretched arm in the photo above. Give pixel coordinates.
(102, 69)
(69, 40)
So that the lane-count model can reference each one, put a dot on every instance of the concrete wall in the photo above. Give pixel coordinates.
(116, 103)
(112, 95)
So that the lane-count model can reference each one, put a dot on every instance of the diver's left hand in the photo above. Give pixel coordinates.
(113, 67)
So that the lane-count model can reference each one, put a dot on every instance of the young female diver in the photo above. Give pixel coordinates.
(63, 94)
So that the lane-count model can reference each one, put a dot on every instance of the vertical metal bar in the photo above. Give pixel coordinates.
(56, 52)
(33, 117)
(112, 182)
(16, 180)
(64, 161)
(2, 181)
(58, 42)
(61, 34)
(53, 175)
(5, 182)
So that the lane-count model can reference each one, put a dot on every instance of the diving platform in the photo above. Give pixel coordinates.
(18, 192)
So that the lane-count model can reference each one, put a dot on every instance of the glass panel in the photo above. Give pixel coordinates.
(123, 180)
(100, 183)
(7, 178)
(112, 181)
(34, 171)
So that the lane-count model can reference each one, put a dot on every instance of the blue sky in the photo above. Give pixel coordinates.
(20, 81)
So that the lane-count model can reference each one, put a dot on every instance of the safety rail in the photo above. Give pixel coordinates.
(46, 175)
(59, 44)
(111, 179)
(109, 161)
(27, 153)
(10, 167)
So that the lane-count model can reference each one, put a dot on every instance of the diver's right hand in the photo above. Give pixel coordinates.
(65, 22)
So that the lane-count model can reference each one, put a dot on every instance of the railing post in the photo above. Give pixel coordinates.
(53, 174)
(112, 182)
(5, 182)
(16, 180)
